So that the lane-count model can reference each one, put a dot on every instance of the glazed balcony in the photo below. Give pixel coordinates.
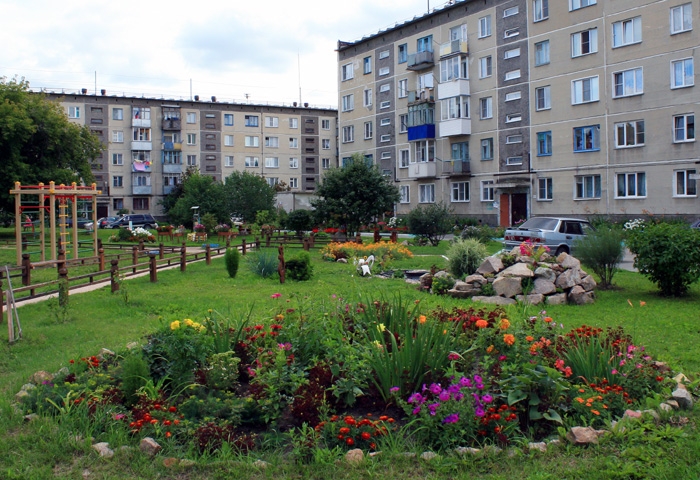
(420, 61)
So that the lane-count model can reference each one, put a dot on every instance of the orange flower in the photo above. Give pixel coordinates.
(595, 412)
(505, 324)
(579, 399)
(481, 323)
(422, 319)
(529, 338)
(509, 339)
(489, 349)
(548, 319)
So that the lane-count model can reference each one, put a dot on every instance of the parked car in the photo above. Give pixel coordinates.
(695, 224)
(104, 221)
(139, 220)
(557, 233)
(81, 222)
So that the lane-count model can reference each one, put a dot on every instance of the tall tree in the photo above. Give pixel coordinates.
(38, 143)
(246, 194)
(354, 195)
(198, 191)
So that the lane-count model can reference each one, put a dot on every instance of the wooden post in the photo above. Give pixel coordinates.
(63, 285)
(153, 267)
(394, 236)
(268, 237)
(312, 239)
(101, 257)
(243, 247)
(358, 238)
(26, 270)
(141, 245)
(281, 265)
(228, 241)
(114, 274)
(207, 253)
(161, 251)
(99, 243)
(306, 242)
(134, 257)
(377, 237)
(183, 257)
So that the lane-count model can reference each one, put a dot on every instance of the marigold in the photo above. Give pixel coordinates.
(505, 324)
(188, 322)
(595, 412)
(175, 325)
(548, 319)
(529, 338)
(422, 319)
(481, 323)
(509, 339)
(489, 349)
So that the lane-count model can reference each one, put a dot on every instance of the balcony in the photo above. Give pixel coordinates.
(421, 96)
(456, 167)
(141, 122)
(421, 170)
(420, 61)
(172, 168)
(141, 145)
(453, 47)
(167, 189)
(455, 126)
(172, 146)
(172, 124)
(421, 132)
(453, 88)
(141, 190)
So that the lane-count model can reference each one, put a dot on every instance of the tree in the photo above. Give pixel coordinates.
(200, 191)
(38, 143)
(245, 194)
(354, 195)
(431, 222)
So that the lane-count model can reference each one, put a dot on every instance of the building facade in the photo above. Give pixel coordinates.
(505, 109)
(150, 143)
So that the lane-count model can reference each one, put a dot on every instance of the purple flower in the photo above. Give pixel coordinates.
(487, 398)
(453, 389)
(458, 396)
(416, 398)
(394, 389)
(451, 418)
(480, 386)
(479, 412)
(613, 371)
(444, 396)
(477, 379)
(433, 407)
(435, 389)
(416, 411)
(465, 382)
(501, 358)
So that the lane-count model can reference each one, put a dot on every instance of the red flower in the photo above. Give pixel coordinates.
(366, 436)
(350, 442)
(172, 409)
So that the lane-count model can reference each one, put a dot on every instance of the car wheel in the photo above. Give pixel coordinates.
(147, 226)
(561, 250)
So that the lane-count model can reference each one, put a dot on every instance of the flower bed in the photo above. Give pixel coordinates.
(337, 250)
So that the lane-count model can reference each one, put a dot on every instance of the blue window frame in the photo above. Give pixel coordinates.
(403, 53)
(425, 44)
(544, 144)
(587, 139)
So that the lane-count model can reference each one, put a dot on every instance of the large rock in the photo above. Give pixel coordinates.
(490, 265)
(149, 446)
(579, 296)
(543, 286)
(568, 279)
(683, 397)
(568, 261)
(480, 279)
(557, 299)
(40, 377)
(494, 300)
(355, 456)
(103, 449)
(442, 274)
(532, 299)
(466, 290)
(520, 270)
(507, 287)
(583, 435)
(588, 283)
(546, 273)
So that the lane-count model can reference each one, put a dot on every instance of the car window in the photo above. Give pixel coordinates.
(573, 228)
(540, 223)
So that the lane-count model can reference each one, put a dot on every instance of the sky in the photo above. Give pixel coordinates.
(257, 51)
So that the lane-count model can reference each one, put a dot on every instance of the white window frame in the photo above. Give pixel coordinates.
(485, 108)
(73, 112)
(228, 140)
(628, 83)
(515, 160)
(686, 119)
(512, 75)
(577, 4)
(272, 162)
(683, 185)
(629, 134)
(369, 130)
(454, 107)
(485, 66)
(385, 138)
(272, 122)
(386, 156)
(191, 117)
(367, 65)
(426, 193)
(252, 141)
(542, 53)
(325, 143)
(117, 136)
(512, 53)
(403, 88)
(511, 33)
(545, 189)
(228, 119)
(634, 185)
(293, 182)
(348, 102)
(509, 12)
(117, 114)
(487, 189)
(325, 124)
(293, 142)
(117, 159)
(385, 88)
(367, 97)
(485, 26)
(585, 90)
(578, 43)
(540, 10)
(588, 187)
(325, 163)
(384, 71)
(348, 134)
(546, 97)
(191, 160)
(384, 122)
(403, 123)
(514, 117)
(681, 18)
(686, 76)
(293, 122)
(252, 162)
(512, 96)
(347, 72)
(627, 32)
(228, 161)
(293, 162)
(405, 192)
(459, 192)
(511, 139)
(272, 142)
(385, 104)
(404, 157)
(383, 54)
(117, 181)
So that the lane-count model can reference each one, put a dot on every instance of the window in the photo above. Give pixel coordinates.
(141, 155)
(544, 144)
(627, 32)
(191, 117)
(543, 99)
(487, 149)
(272, 181)
(485, 108)
(117, 181)
(405, 192)
(542, 53)
(627, 83)
(191, 139)
(513, 117)
(368, 130)
(384, 71)
(118, 114)
(293, 162)
(509, 12)
(117, 159)
(272, 122)
(293, 123)
(228, 140)
(293, 142)
(251, 121)
(367, 65)
(139, 113)
(485, 67)
(584, 43)
(326, 144)
(487, 191)
(512, 75)
(117, 136)
(576, 4)
(511, 96)
(367, 97)
(682, 73)
(684, 128)
(584, 90)
(510, 139)
(272, 142)
(629, 134)
(140, 204)
(73, 112)
(384, 122)
(587, 186)
(485, 26)
(325, 163)
(252, 162)
(540, 9)
(631, 185)
(684, 183)
(228, 119)
(460, 192)
(346, 72)
(424, 44)
(349, 134)
(385, 138)
(453, 68)
(228, 161)
(511, 32)
(386, 104)
(252, 141)
(402, 53)
(681, 18)
(403, 88)
(325, 124)
(348, 102)
(191, 160)
(426, 193)
(455, 107)
(386, 156)
(544, 189)
(512, 53)
(293, 182)
(404, 158)
(514, 160)
(403, 123)
(118, 204)
(272, 162)
(424, 151)
(384, 54)
(385, 88)
(587, 139)
(142, 134)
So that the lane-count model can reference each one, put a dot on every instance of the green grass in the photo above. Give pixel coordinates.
(40, 449)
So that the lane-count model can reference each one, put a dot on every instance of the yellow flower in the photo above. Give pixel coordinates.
(505, 324)
(378, 345)
(187, 322)
(508, 339)
(279, 317)
(422, 319)
(175, 325)
(197, 326)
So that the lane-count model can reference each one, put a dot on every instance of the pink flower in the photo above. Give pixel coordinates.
(276, 295)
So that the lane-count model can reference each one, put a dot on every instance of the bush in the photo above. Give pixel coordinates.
(431, 223)
(299, 221)
(299, 268)
(232, 259)
(667, 254)
(209, 221)
(135, 374)
(483, 233)
(602, 250)
(465, 256)
(263, 264)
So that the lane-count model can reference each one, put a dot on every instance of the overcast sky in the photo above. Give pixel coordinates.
(261, 48)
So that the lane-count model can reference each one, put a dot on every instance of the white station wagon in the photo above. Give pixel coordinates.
(557, 233)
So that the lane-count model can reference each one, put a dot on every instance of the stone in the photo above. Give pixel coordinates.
(261, 464)
(103, 449)
(545, 273)
(507, 287)
(132, 345)
(342, 260)
(170, 462)
(653, 413)
(632, 414)
(426, 280)
(568, 279)
(40, 377)
(661, 367)
(579, 296)
(517, 270)
(464, 292)
(465, 450)
(22, 394)
(543, 286)
(441, 274)
(532, 299)
(494, 300)
(187, 463)
(588, 283)
(683, 397)
(541, 446)
(466, 287)
(31, 417)
(665, 407)
(582, 435)
(490, 265)
(476, 278)
(427, 456)
(673, 404)
(557, 299)
(680, 378)
(149, 446)
(104, 353)
(569, 262)
(355, 456)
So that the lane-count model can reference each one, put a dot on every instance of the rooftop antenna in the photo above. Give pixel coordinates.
(246, 97)
(299, 73)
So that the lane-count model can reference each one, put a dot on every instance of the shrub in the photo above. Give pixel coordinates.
(299, 221)
(483, 233)
(465, 256)
(299, 268)
(602, 250)
(431, 223)
(441, 284)
(232, 260)
(667, 254)
(209, 222)
(135, 374)
(263, 264)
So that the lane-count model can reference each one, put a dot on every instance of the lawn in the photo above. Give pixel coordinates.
(668, 328)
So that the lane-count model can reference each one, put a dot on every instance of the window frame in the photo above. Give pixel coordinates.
(228, 117)
(686, 182)
(593, 90)
(639, 182)
(487, 190)
(368, 130)
(544, 143)
(621, 30)
(348, 102)
(191, 117)
(577, 43)
(594, 131)
(685, 76)
(683, 17)
(579, 4)
(486, 149)
(686, 138)
(252, 141)
(426, 193)
(404, 194)
(460, 192)
(485, 26)
(541, 51)
(228, 141)
(637, 134)
(117, 114)
(546, 98)
(228, 160)
(272, 162)
(367, 65)
(485, 108)
(543, 10)
(252, 162)
(584, 191)
(485, 66)
(545, 189)
(348, 134)
(620, 83)
(347, 72)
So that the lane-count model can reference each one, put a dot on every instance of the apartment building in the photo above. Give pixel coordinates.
(505, 109)
(150, 143)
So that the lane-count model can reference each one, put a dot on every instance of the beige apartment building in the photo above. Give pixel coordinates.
(150, 143)
(505, 109)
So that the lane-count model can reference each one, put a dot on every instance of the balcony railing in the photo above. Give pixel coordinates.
(419, 96)
(453, 88)
(453, 47)
(172, 146)
(421, 132)
(141, 145)
(141, 190)
(172, 168)
(167, 189)
(422, 170)
(456, 167)
(455, 126)
(172, 124)
(420, 61)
